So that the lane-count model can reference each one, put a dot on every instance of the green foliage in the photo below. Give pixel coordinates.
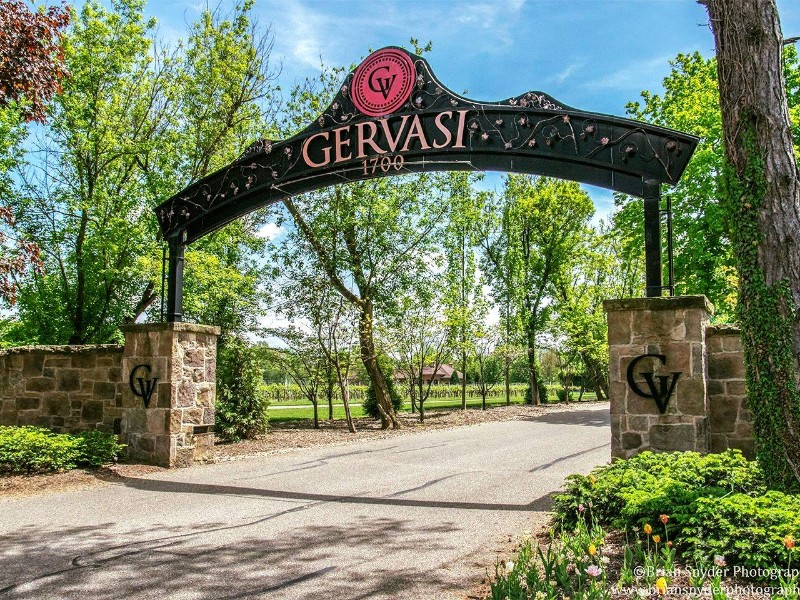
(98, 448)
(716, 504)
(571, 566)
(370, 404)
(241, 411)
(37, 450)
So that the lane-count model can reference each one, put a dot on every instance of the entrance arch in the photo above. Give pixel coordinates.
(392, 116)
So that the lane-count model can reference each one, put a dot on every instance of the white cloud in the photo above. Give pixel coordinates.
(270, 231)
(561, 77)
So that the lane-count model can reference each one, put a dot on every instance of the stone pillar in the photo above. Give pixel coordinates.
(176, 428)
(673, 327)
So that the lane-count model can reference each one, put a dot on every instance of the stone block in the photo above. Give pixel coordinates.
(636, 405)
(639, 423)
(40, 384)
(732, 343)
(57, 362)
(205, 395)
(736, 388)
(209, 414)
(55, 406)
(68, 380)
(29, 403)
(157, 421)
(33, 365)
(690, 397)
(671, 438)
(92, 411)
(696, 320)
(84, 361)
(211, 370)
(103, 390)
(203, 447)
(186, 394)
(717, 442)
(714, 344)
(115, 374)
(194, 357)
(746, 445)
(619, 328)
(631, 440)
(715, 388)
(723, 413)
(27, 417)
(726, 366)
(193, 416)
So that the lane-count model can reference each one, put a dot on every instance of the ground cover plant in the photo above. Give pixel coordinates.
(679, 519)
(27, 450)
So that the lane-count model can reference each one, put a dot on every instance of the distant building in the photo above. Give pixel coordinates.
(443, 374)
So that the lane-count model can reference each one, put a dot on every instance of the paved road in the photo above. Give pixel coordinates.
(414, 516)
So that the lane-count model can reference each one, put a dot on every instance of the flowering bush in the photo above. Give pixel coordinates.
(716, 504)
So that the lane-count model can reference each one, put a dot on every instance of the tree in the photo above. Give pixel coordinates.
(304, 363)
(760, 194)
(543, 220)
(704, 261)
(419, 337)
(486, 366)
(31, 56)
(463, 288)
(127, 131)
(241, 409)
(371, 241)
(598, 269)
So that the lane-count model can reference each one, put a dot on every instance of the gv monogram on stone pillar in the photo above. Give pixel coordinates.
(672, 331)
(169, 401)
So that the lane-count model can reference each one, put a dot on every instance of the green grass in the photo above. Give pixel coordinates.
(307, 412)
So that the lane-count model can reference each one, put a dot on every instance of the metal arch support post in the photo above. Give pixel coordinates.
(652, 238)
(175, 278)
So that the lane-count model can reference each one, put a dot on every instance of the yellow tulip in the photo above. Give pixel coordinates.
(592, 549)
(647, 529)
(661, 586)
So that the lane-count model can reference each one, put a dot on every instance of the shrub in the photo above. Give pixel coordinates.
(98, 448)
(241, 411)
(36, 450)
(716, 503)
(370, 404)
(562, 394)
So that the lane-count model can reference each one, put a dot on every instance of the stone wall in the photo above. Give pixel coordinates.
(78, 388)
(65, 388)
(176, 429)
(730, 424)
(707, 409)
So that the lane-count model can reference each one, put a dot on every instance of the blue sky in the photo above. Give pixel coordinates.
(596, 55)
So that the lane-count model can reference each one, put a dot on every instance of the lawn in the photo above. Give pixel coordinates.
(277, 414)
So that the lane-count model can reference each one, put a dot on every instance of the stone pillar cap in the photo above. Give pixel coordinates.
(177, 326)
(662, 303)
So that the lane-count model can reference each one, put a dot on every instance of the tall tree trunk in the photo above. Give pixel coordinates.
(533, 379)
(507, 379)
(316, 414)
(761, 195)
(370, 360)
(463, 380)
(345, 399)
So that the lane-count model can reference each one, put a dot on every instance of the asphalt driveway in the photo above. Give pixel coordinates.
(417, 516)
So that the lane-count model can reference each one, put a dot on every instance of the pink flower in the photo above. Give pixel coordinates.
(581, 508)
(719, 560)
(593, 571)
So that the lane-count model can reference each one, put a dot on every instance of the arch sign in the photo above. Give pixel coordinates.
(392, 116)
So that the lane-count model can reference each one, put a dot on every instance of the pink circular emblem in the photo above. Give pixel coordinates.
(383, 82)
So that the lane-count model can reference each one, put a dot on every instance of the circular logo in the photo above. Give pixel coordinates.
(383, 82)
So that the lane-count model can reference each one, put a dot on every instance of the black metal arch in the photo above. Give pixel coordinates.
(434, 130)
